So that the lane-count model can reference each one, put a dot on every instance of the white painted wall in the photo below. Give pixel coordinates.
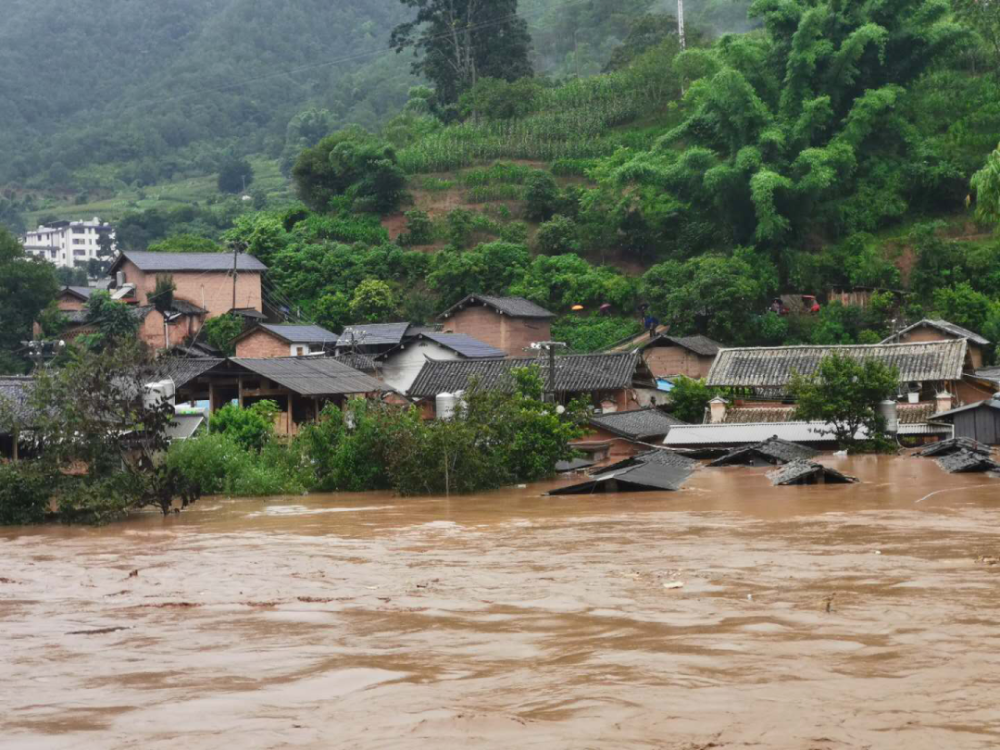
(401, 368)
(66, 246)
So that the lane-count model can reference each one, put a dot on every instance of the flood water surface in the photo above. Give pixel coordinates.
(825, 617)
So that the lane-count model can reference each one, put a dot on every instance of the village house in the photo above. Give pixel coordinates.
(372, 338)
(670, 356)
(267, 340)
(979, 421)
(626, 433)
(512, 324)
(400, 366)
(942, 330)
(300, 386)
(609, 382)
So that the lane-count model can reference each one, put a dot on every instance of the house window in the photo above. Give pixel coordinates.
(299, 350)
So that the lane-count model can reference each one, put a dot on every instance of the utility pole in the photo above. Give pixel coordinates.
(550, 347)
(236, 249)
(680, 24)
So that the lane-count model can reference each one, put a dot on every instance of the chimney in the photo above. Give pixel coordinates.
(717, 407)
(944, 402)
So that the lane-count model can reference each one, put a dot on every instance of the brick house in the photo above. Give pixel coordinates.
(268, 340)
(512, 324)
(73, 298)
(204, 280)
(627, 433)
(691, 356)
(942, 330)
(400, 366)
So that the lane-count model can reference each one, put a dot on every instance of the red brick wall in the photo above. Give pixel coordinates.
(512, 335)
(68, 303)
(262, 345)
(212, 290)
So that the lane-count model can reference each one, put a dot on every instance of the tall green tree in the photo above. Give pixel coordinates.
(27, 286)
(457, 42)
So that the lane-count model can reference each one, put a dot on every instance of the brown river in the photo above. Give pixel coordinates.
(815, 618)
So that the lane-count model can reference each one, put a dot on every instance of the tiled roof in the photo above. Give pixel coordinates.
(304, 334)
(360, 362)
(742, 434)
(312, 376)
(574, 373)
(700, 345)
(14, 395)
(941, 325)
(182, 370)
(464, 345)
(965, 462)
(165, 262)
(774, 367)
(954, 445)
(654, 470)
(516, 307)
(187, 308)
(773, 450)
(82, 292)
(639, 424)
(906, 413)
(990, 403)
(801, 471)
(374, 334)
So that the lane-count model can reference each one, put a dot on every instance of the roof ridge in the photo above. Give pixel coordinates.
(951, 342)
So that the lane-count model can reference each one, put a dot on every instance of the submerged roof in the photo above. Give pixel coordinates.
(374, 334)
(574, 373)
(965, 462)
(801, 471)
(941, 325)
(700, 345)
(515, 307)
(312, 376)
(638, 424)
(298, 334)
(774, 367)
(954, 445)
(772, 450)
(650, 471)
(463, 345)
(153, 262)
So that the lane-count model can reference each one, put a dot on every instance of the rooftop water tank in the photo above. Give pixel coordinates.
(888, 411)
(445, 405)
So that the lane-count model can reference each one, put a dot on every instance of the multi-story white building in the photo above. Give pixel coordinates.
(68, 243)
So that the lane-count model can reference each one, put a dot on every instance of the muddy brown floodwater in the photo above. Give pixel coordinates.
(809, 617)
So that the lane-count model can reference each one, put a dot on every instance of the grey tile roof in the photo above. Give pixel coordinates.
(638, 424)
(700, 345)
(312, 376)
(774, 450)
(182, 370)
(656, 456)
(990, 403)
(15, 393)
(954, 445)
(966, 462)
(301, 334)
(574, 373)
(464, 345)
(374, 334)
(516, 307)
(773, 367)
(165, 262)
(801, 471)
(906, 414)
(187, 308)
(647, 472)
(83, 292)
(360, 362)
(941, 325)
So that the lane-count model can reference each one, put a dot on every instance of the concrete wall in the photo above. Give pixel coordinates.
(262, 344)
(212, 290)
(512, 335)
(665, 361)
(401, 368)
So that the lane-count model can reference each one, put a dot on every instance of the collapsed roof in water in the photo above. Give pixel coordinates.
(647, 472)
(954, 445)
(807, 472)
(774, 450)
(967, 462)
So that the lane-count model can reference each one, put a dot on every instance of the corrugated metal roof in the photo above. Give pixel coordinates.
(638, 424)
(516, 307)
(774, 367)
(990, 403)
(301, 334)
(742, 434)
(374, 334)
(154, 262)
(312, 376)
(464, 345)
(574, 373)
(943, 326)
(700, 345)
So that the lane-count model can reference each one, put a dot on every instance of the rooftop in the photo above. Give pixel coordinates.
(941, 325)
(463, 345)
(298, 334)
(650, 471)
(165, 262)
(801, 471)
(683, 436)
(990, 403)
(515, 307)
(638, 424)
(773, 450)
(374, 334)
(700, 345)
(774, 367)
(80, 292)
(965, 462)
(574, 373)
(312, 376)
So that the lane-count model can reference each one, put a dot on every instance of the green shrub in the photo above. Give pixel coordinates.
(250, 428)
(25, 491)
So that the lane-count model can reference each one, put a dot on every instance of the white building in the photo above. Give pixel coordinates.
(68, 243)
(401, 365)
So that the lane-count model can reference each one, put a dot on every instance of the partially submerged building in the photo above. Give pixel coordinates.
(400, 366)
(772, 451)
(626, 433)
(967, 462)
(953, 445)
(801, 471)
(652, 471)
(268, 340)
(979, 421)
(511, 324)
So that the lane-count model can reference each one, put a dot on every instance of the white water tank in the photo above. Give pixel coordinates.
(159, 392)
(888, 411)
(445, 405)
